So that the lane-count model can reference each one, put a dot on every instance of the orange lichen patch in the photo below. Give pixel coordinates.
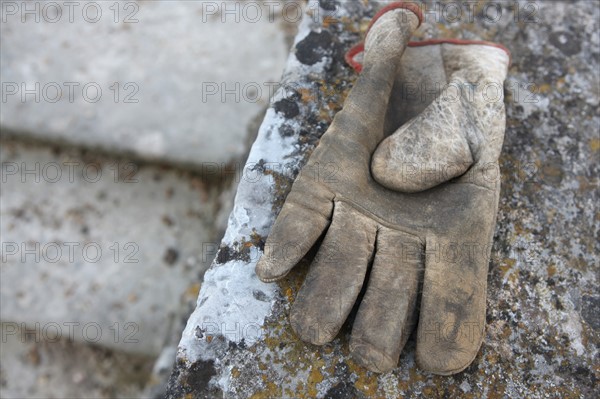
(314, 377)
(289, 294)
(550, 215)
(325, 115)
(363, 26)
(209, 338)
(551, 270)
(544, 88)
(192, 290)
(491, 358)
(587, 183)
(499, 390)
(513, 278)
(329, 20)
(300, 387)
(505, 266)
(579, 264)
(414, 376)
(506, 332)
(349, 25)
(235, 372)
(283, 184)
(307, 95)
(553, 172)
(366, 381)
(520, 231)
(445, 31)
(272, 390)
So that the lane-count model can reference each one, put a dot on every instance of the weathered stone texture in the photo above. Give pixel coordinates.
(542, 327)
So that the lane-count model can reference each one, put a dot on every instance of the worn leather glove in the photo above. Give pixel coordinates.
(417, 208)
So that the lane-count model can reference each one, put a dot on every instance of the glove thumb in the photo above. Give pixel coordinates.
(463, 126)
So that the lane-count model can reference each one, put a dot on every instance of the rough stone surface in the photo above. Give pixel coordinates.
(63, 369)
(158, 79)
(104, 251)
(542, 330)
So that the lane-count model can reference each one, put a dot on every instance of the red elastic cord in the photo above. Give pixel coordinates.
(360, 47)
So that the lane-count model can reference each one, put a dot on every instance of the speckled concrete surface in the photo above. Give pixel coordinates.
(96, 321)
(543, 330)
(110, 244)
(158, 79)
(63, 369)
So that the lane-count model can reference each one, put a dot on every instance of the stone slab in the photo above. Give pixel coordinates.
(99, 250)
(63, 369)
(175, 81)
(542, 330)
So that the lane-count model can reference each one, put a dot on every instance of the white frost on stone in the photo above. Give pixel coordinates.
(233, 303)
(465, 386)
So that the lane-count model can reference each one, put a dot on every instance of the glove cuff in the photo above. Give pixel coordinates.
(360, 47)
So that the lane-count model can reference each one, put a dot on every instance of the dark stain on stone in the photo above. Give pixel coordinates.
(329, 5)
(342, 391)
(590, 310)
(286, 131)
(171, 256)
(283, 184)
(553, 170)
(224, 255)
(260, 296)
(314, 47)
(565, 42)
(192, 382)
(239, 252)
(288, 108)
(200, 374)
(257, 240)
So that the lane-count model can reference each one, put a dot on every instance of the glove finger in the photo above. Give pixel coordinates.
(387, 315)
(452, 317)
(302, 220)
(336, 276)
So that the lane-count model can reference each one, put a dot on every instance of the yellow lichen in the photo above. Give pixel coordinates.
(505, 266)
(595, 144)
(366, 381)
(314, 378)
(544, 88)
(272, 390)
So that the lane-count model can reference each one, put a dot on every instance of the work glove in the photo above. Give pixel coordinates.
(412, 213)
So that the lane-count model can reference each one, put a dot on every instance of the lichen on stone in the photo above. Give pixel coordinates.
(542, 330)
